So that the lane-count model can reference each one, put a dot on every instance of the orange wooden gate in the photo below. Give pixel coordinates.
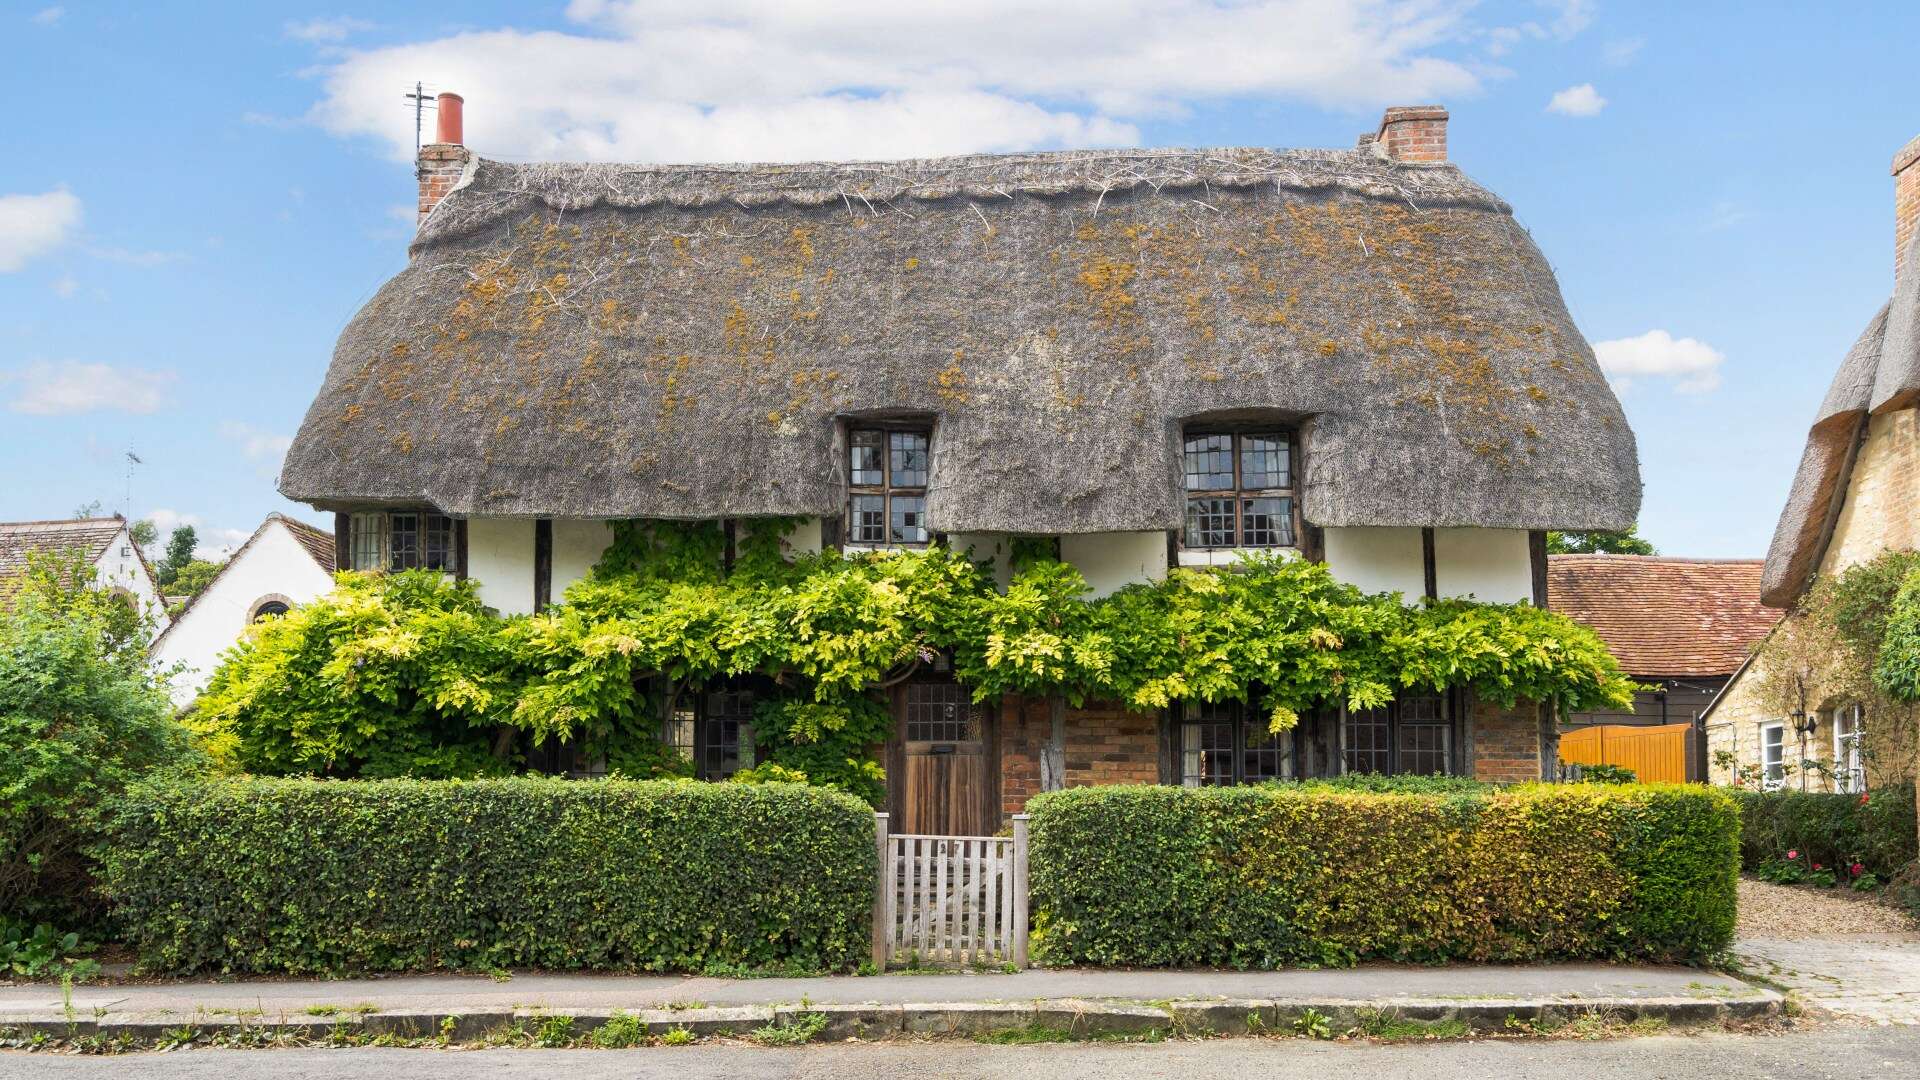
(1655, 754)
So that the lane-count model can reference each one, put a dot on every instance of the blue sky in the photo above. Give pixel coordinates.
(196, 197)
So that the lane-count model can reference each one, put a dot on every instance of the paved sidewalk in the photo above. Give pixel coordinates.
(1671, 991)
(1872, 977)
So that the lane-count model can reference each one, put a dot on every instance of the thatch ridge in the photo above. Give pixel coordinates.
(684, 342)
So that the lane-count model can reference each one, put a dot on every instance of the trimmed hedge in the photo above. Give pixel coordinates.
(1832, 830)
(306, 876)
(1262, 877)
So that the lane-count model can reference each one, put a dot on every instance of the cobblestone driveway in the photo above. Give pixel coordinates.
(1872, 977)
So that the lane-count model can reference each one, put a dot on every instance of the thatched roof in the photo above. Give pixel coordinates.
(1881, 373)
(685, 341)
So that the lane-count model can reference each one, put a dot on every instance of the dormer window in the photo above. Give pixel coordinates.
(887, 486)
(1239, 489)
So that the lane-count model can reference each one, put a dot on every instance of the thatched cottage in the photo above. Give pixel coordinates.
(1855, 496)
(1160, 357)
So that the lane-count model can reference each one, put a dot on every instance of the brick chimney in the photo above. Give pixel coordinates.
(443, 160)
(1906, 199)
(1413, 133)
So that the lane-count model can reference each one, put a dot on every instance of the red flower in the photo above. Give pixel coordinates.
(1817, 866)
(1863, 798)
(1855, 869)
(1793, 854)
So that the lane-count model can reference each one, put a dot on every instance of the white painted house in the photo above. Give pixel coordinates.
(105, 544)
(283, 564)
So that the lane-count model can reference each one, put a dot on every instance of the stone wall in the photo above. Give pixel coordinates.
(1881, 510)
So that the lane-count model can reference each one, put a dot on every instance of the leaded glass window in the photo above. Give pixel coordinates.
(1224, 743)
(1410, 736)
(1239, 489)
(402, 540)
(887, 471)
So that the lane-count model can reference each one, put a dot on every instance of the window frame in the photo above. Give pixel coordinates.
(1239, 722)
(1239, 494)
(1396, 723)
(694, 705)
(1849, 756)
(371, 548)
(1773, 774)
(887, 490)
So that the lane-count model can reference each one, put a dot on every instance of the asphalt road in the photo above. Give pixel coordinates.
(1833, 1051)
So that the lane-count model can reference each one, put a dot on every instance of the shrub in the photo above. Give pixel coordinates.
(80, 718)
(1876, 830)
(309, 876)
(1269, 876)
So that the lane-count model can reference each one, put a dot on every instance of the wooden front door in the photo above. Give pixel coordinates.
(944, 772)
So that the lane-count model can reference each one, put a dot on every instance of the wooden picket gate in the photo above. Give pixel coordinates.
(951, 900)
(1655, 754)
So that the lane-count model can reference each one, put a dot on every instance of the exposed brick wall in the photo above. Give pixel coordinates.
(1906, 199)
(1414, 133)
(1506, 742)
(1881, 509)
(439, 168)
(1105, 744)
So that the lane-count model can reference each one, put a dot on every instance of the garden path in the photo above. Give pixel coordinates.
(1846, 954)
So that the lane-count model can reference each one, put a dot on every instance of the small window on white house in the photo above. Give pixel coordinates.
(269, 610)
(887, 486)
(1239, 489)
(1773, 757)
(402, 540)
(1849, 763)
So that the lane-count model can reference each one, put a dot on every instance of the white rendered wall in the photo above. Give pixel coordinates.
(119, 567)
(1379, 559)
(1490, 565)
(804, 539)
(993, 548)
(500, 559)
(273, 565)
(577, 545)
(1112, 561)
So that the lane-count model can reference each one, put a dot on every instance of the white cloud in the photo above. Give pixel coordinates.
(324, 30)
(44, 388)
(258, 445)
(1690, 365)
(652, 80)
(65, 286)
(1623, 51)
(32, 225)
(208, 543)
(1582, 100)
(49, 16)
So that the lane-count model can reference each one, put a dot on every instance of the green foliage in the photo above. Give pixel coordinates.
(39, 952)
(1876, 830)
(410, 675)
(180, 545)
(388, 675)
(320, 877)
(804, 1028)
(80, 718)
(1599, 543)
(143, 533)
(1277, 875)
(1896, 668)
(1608, 774)
(193, 577)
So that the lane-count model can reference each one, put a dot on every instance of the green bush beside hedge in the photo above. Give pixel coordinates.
(1832, 830)
(318, 877)
(1268, 876)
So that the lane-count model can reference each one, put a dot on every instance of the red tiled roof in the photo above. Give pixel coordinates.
(1664, 616)
(318, 542)
(19, 539)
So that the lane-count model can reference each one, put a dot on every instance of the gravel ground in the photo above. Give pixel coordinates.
(1789, 911)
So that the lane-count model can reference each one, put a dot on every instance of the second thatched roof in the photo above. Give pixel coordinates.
(689, 342)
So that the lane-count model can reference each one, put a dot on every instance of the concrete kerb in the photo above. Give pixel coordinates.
(1074, 1017)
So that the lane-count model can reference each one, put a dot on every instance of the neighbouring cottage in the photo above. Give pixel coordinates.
(1155, 358)
(104, 544)
(1855, 496)
(285, 562)
(1679, 627)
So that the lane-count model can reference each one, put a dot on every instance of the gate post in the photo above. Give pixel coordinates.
(1020, 891)
(880, 887)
